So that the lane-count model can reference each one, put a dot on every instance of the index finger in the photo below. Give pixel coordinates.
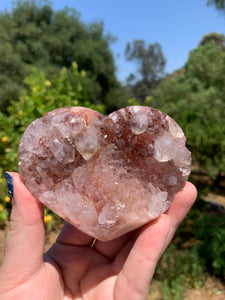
(180, 207)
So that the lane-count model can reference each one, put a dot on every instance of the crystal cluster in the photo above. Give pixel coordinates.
(106, 175)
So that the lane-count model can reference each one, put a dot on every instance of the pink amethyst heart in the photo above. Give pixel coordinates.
(106, 175)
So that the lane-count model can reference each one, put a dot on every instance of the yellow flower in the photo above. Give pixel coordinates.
(4, 139)
(48, 83)
(47, 219)
(75, 65)
(20, 112)
(7, 199)
(83, 73)
(64, 69)
(1, 180)
(1, 207)
(75, 102)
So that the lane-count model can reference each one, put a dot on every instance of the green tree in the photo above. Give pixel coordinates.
(151, 64)
(219, 4)
(195, 97)
(34, 34)
(218, 39)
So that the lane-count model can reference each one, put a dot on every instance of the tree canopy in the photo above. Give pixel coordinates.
(34, 34)
(219, 4)
(150, 62)
(218, 39)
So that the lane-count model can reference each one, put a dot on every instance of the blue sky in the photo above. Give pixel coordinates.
(177, 25)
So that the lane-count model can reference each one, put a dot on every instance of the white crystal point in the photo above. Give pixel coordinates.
(157, 205)
(105, 175)
(139, 123)
(164, 148)
(88, 143)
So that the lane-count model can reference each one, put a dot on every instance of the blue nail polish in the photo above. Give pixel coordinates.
(9, 181)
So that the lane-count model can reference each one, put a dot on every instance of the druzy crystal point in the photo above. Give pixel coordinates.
(106, 175)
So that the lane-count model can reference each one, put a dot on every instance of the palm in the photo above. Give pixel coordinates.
(85, 272)
(81, 270)
(72, 269)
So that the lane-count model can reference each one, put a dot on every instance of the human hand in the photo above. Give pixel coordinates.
(72, 269)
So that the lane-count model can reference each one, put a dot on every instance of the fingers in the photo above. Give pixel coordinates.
(179, 208)
(137, 272)
(26, 237)
(148, 248)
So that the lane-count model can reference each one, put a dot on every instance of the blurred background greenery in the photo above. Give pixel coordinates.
(50, 59)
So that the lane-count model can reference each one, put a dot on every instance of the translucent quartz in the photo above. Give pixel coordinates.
(106, 175)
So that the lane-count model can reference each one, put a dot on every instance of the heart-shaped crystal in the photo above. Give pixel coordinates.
(106, 175)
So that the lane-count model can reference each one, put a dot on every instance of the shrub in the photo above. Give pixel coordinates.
(210, 231)
(177, 270)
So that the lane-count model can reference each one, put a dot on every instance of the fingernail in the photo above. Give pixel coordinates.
(9, 181)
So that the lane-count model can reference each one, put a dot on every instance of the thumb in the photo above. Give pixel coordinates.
(26, 237)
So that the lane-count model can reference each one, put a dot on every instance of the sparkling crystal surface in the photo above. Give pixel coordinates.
(106, 175)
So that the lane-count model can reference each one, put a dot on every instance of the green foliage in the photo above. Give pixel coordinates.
(210, 231)
(150, 59)
(179, 269)
(33, 34)
(40, 96)
(219, 4)
(195, 97)
(197, 250)
(218, 39)
(5, 204)
(151, 64)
